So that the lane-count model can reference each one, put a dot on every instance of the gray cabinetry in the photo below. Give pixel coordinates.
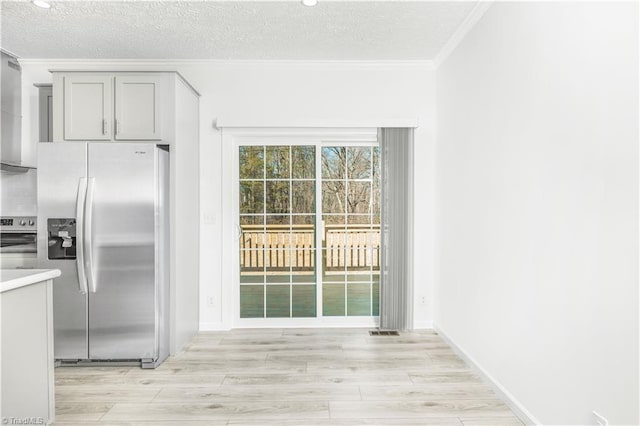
(88, 108)
(100, 106)
(27, 352)
(138, 113)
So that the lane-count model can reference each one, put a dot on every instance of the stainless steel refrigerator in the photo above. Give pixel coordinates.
(103, 220)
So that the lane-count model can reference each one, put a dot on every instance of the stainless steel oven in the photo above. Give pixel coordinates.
(18, 234)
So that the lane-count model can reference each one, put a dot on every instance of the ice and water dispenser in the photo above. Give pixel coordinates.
(62, 238)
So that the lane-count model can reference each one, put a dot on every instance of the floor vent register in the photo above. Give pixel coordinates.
(383, 333)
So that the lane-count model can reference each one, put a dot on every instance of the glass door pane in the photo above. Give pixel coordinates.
(351, 237)
(277, 220)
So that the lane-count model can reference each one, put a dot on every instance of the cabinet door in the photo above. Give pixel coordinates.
(88, 107)
(138, 115)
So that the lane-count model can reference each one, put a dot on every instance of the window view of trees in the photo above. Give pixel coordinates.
(351, 182)
(278, 217)
(351, 239)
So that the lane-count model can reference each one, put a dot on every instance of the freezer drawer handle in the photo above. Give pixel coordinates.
(88, 261)
(80, 203)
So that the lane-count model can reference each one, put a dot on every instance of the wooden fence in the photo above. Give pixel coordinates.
(279, 248)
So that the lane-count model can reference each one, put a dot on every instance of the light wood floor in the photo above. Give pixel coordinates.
(287, 377)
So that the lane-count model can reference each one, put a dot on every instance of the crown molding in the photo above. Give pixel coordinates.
(232, 63)
(275, 124)
(467, 25)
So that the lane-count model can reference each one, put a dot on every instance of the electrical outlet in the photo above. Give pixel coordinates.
(600, 420)
(210, 300)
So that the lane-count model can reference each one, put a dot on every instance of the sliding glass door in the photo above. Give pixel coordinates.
(309, 228)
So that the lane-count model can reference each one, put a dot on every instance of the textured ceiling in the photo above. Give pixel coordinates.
(332, 30)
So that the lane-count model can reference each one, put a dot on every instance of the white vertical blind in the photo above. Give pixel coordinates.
(396, 277)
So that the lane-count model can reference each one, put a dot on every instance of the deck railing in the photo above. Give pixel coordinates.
(281, 248)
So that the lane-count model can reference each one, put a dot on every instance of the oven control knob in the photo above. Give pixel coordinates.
(23, 223)
(31, 223)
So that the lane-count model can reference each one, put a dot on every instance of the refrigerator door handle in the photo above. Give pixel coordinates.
(80, 203)
(88, 243)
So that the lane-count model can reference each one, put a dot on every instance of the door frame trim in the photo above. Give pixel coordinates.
(231, 139)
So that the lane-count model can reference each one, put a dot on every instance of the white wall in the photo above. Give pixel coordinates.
(287, 93)
(537, 206)
(18, 194)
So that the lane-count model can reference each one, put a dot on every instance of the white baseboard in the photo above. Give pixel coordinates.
(516, 406)
(423, 325)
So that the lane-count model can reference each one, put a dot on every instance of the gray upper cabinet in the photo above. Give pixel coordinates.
(103, 106)
(138, 107)
(45, 112)
(88, 107)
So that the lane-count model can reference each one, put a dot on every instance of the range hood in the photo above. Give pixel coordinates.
(11, 119)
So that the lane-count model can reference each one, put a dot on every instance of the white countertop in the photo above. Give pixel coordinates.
(11, 279)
